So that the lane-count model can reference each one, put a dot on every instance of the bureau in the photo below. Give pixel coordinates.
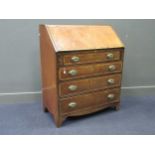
(81, 69)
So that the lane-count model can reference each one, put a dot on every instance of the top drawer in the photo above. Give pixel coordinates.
(91, 57)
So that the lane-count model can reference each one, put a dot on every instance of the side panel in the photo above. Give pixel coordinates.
(49, 73)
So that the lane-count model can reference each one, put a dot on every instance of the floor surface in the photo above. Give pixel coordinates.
(136, 116)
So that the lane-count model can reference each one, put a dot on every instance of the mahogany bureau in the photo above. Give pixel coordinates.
(81, 69)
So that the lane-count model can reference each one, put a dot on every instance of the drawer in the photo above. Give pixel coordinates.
(73, 72)
(84, 85)
(80, 102)
(91, 57)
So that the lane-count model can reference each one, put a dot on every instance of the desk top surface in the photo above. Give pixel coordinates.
(83, 37)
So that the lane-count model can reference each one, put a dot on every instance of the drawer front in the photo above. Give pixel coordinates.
(81, 86)
(76, 103)
(74, 87)
(73, 72)
(83, 58)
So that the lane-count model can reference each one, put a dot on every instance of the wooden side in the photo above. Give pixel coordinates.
(122, 58)
(49, 73)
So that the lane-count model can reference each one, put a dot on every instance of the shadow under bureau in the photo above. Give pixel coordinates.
(81, 69)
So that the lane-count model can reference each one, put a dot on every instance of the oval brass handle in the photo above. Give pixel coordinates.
(111, 96)
(110, 56)
(111, 81)
(75, 59)
(72, 87)
(73, 72)
(112, 67)
(72, 104)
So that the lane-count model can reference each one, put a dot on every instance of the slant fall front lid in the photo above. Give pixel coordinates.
(83, 37)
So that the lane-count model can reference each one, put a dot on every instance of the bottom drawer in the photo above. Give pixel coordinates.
(72, 104)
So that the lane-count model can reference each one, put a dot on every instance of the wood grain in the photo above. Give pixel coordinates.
(91, 57)
(89, 84)
(88, 100)
(83, 37)
(91, 44)
(49, 74)
(84, 71)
